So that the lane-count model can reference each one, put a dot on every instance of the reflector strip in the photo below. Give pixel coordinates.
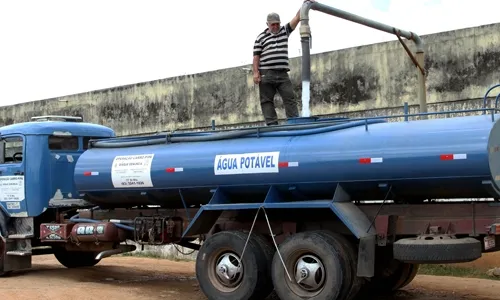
(371, 160)
(173, 170)
(286, 164)
(453, 156)
(90, 173)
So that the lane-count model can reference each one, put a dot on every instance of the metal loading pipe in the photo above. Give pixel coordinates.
(305, 33)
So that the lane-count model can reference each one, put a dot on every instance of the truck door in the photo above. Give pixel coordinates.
(12, 170)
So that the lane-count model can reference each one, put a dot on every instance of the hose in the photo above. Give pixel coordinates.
(331, 121)
(321, 130)
(307, 129)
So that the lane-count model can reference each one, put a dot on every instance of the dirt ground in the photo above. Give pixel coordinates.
(486, 262)
(148, 278)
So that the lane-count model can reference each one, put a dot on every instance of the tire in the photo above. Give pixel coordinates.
(390, 274)
(320, 251)
(3, 223)
(252, 282)
(75, 259)
(269, 250)
(413, 272)
(437, 250)
(353, 282)
(403, 272)
(5, 273)
(3, 252)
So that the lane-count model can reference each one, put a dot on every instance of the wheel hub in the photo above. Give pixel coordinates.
(309, 273)
(228, 270)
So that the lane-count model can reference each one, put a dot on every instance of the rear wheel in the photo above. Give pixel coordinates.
(269, 250)
(411, 275)
(390, 275)
(223, 273)
(351, 255)
(316, 265)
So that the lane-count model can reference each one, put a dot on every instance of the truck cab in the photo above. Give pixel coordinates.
(37, 161)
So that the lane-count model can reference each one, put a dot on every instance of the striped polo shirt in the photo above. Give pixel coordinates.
(273, 48)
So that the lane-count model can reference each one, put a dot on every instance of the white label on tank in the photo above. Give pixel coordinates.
(11, 188)
(132, 171)
(246, 163)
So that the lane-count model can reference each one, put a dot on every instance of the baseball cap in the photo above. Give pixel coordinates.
(273, 18)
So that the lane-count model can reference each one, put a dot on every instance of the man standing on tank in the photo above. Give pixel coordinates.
(271, 67)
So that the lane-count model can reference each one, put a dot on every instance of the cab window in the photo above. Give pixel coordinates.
(11, 150)
(63, 142)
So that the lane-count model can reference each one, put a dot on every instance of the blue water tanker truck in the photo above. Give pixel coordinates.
(315, 208)
(331, 208)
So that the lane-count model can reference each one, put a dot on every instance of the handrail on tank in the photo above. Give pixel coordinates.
(305, 33)
(264, 129)
(496, 100)
(406, 115)
(486, 96)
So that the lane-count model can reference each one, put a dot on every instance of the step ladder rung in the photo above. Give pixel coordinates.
(19, 253)
(20, 236)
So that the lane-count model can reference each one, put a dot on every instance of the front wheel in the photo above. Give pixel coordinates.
(3, 252)
(75, 259)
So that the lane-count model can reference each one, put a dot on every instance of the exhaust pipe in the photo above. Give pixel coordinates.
(121, 249)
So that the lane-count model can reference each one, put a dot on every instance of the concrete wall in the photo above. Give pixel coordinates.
(461, 65)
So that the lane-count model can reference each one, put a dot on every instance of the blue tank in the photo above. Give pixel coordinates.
(418, 160)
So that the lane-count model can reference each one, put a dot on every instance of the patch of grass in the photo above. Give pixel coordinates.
(448, 270)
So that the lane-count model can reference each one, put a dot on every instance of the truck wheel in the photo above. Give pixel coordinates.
(269, 249)
(351, 254)
(388, 280)
(437, 249)
(220, 274)
(3, 252)
(413, 272)
(75, 259)
(315, 264)
(390, 275)
(400, 277)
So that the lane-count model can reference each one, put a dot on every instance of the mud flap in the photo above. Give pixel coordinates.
(359, 224)
(366, 256)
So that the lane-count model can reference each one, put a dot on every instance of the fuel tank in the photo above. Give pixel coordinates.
(415, 160)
